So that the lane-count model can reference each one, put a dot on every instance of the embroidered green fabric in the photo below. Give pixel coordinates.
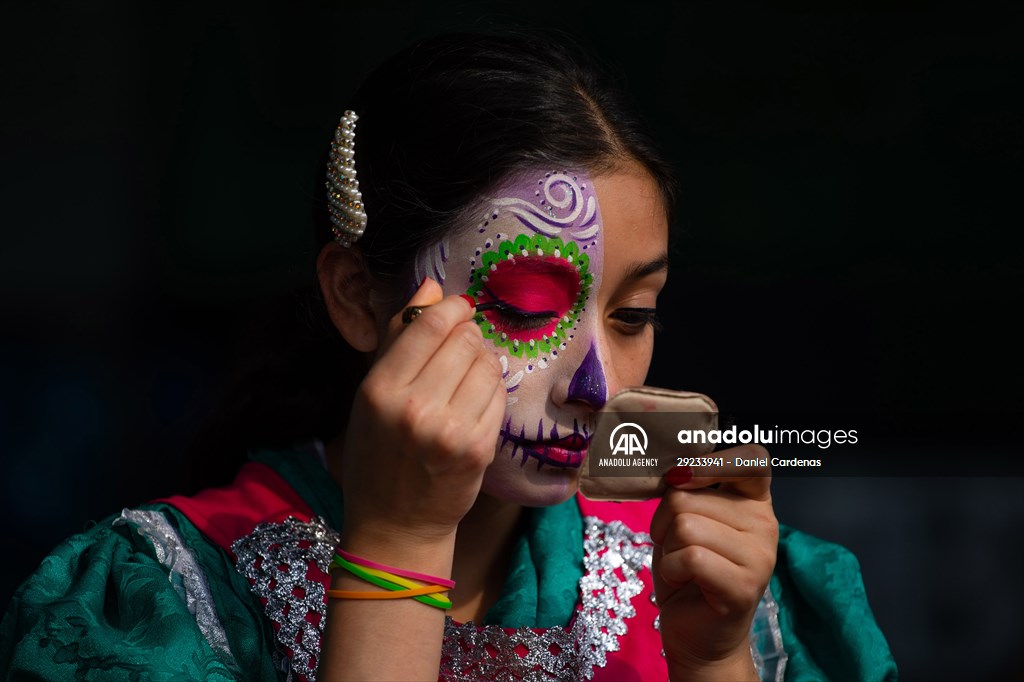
(828, 629)
(101, 607)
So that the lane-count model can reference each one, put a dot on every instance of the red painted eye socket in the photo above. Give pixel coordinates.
(530, 287)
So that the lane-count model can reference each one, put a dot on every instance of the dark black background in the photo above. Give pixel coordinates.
(848, 242)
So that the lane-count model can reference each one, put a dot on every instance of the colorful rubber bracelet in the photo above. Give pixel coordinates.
(399, 594)
(440, 602)
(422, 577)
(390, 577)
(393, 582)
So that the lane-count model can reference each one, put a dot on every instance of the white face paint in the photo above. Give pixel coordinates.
(536, 252)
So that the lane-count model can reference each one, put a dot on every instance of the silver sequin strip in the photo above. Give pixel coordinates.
(471, 653)
(185, 575)
(613, 556)
(766, 640)
(275, 557)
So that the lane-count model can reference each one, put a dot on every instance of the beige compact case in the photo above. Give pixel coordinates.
(638, 428)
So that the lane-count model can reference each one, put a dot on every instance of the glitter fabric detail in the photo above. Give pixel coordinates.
(481, 654)
(287, 565)
(766, 640)
(185, 575)
(613, 557)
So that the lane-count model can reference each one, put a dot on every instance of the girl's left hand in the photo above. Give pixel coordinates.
(714, 554)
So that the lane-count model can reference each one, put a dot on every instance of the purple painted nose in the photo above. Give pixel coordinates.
(588, 383)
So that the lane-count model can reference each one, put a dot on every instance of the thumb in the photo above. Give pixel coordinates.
(429, 293)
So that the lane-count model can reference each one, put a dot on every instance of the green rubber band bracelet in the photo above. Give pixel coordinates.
(442, 603)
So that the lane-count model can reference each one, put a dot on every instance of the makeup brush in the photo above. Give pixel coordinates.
(414, 311)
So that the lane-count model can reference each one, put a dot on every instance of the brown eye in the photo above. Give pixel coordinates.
(635, 320)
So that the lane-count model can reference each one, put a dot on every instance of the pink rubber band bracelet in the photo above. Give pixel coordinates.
(397, 571)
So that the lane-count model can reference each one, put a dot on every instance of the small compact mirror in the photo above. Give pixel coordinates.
(637, 439)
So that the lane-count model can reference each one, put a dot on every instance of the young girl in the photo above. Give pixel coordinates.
(499, 223)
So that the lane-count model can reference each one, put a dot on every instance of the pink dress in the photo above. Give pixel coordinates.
(284, 551)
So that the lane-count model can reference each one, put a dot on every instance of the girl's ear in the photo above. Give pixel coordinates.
(345, 285)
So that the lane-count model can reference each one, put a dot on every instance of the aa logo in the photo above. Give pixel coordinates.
(628, 439)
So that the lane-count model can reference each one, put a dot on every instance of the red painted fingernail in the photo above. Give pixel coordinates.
(469, 299)
(677, 476)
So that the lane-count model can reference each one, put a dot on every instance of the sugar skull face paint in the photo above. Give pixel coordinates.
(535, 251)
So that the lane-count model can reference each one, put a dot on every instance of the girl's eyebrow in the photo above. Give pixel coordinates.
(641, 270)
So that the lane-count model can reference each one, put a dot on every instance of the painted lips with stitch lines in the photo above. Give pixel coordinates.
(564, 451)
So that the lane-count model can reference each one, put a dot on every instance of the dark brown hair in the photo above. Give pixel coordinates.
(440, 123)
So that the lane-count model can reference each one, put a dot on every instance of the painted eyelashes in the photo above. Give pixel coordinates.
(513, 317)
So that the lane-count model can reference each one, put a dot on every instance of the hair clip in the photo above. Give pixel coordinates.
(348, 219)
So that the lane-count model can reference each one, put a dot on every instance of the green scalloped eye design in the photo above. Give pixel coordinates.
(531, 246)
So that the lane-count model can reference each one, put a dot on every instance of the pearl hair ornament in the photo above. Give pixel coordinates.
(345, 202)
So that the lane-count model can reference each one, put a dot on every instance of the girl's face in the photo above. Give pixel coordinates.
(574, 264)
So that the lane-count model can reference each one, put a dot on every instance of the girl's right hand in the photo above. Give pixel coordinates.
(423, 426)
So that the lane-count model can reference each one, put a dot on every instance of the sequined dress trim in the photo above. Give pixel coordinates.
(287, 567)
(185, 575)
(766, 648)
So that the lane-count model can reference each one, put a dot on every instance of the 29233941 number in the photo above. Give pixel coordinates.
(699, 461)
